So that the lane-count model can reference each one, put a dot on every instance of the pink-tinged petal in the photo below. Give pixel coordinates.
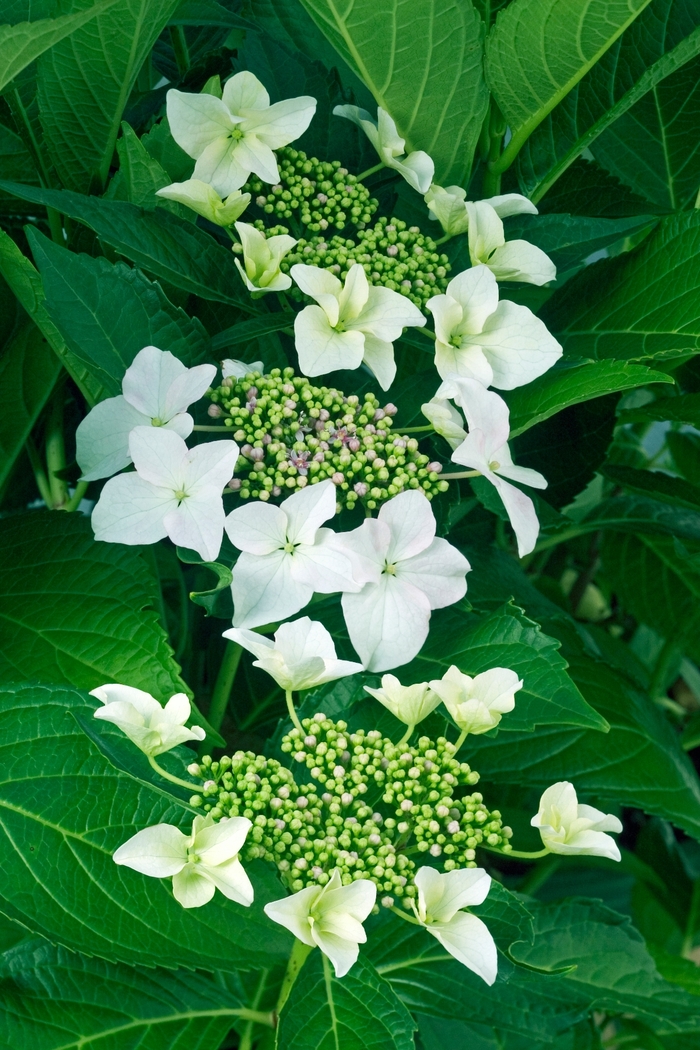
(521, 512)
(264, 590)
(387, 622)
(307, 509)
(198, 524)
(439, 572)
(159, 851)
(131, 511)
(197, 120)
(320, 348)
(518, 346)
(412, 523)
(102, 438)
(257, 528)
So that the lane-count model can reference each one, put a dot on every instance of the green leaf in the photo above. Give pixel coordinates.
(207, 13)
(239, 333)
(25, 282)
(569, 239)
(141, 175)
(28, 371)
(158, 242)
(359, 1012)
(643, 304)
(571, 382)
(84, 86)
(217, 600)
(20, 45)
(55, 999)
(685, 408)
(108, 312)
(654, 484)
(78, 612)
(423, 65)
(664, 37)
(539, 50)
(69, 816)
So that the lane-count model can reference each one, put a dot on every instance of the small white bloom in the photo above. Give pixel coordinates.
(200, 863)
(500, 344)
(203, 198)
(446, 420)
(478, 704)
(329, 917)
(353, 323)
(287, 556)
(261, 259)
(417, 168)
(152, 727)
(230, 366)
(447, 204)
(157, 389)
(232, 136)
(567, 827)
(485, 449)
(388, 620)
(508, 260)
(440, 900)
(409, 703)
(174, 492)
(301, 656)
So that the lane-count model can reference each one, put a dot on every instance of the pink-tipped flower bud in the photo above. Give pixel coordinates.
(208, 785)
(257, 454)
(227, 383)
(310, 741)
(322, 198)
(371, 455)
(246, 450)
(338, 478)
(453, 827)
(346, 798)
(361, 488)
(435, 850)
(390, 409)
(435, 467)
(302, 802)
(354, 445)
(234, 484)
(276, 490)
(288, 389)
(215, 411)
(379, 414)
(261, 201)
(406, 805)
(393, 249)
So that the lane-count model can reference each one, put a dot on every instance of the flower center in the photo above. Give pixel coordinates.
(180, 494)
(156, 422)
(236, 134)
(494, 465)
(390, 569)
(288, 548)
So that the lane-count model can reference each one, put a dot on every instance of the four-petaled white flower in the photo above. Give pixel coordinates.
(353, 323)
(508, 260)
(409, 703)
(388, 621)
(440, 900)
(417, 168)
(447, 204)
(446, 420)
(152, 727)
(302, 655)
(232, 367)
(287, 556)
(477, 704)
(329, 917)
(485, 449)
(261, 259)
(500, 344)
(568, 827)
(200, 863)
(157, 389)
(174, 492)
(203, 198)
(232, 136)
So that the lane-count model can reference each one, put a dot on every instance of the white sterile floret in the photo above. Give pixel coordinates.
(232, 367)
(477, 704)
(175, 492)
(152, 727)
(200, 863)
(500, 344)
(446, 420)
(516, 260)
(329, 917)
(354, 322)
(287, 556)
(440, 900)
(301, 656)
(417, 168)
(447, 204)
(203, 198)
(485, 449)
(232, 136)
(409, 703)
(261, 259)
(567, 827)
(388, 620)
(157, 390)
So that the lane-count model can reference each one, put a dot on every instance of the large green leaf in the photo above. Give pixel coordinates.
(654, 484)
(685, 408)
(85, 82)
(64, 809)
(158, 242)
(569, 239)
(359, 1012)
(660, 40)
(78, 612)
(643, 304)
(55, 999)
(423, 64)
(107, 313)
(539, 50)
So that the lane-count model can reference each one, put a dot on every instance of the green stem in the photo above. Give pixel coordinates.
(74, 502)
(518, 854)
(292, 710)
(182, 52)
(42, 482)
(173, 779)
(426, 332)
(461, 474)
(224, 683)
(265, 1017)
(371, 171)
(246, 1041)
(402, 915)
(300, 953)
(55, 449)
(407, 736)
(692, 921)
(460, 739)
(220, 429)
(445, 239)
(661, 667)
(18, 110)
(417, 430)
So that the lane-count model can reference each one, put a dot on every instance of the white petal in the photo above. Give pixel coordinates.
(355, 293)
(484, 410)
(252, 154)
(197, 120)
(518, 346)
(497, 688)
(444, 894)
(158, 851)
(386, 313)
(307, 509)
(293, 913)
(264, 590)
(209, 466)
(522, 261)
(446, 420)
(131, 511)
(467, 360)
(525, 475)
(257, 528)
(418, 169)
(364, 120)
(343, 954)
(364, 546)
(521, 512)
(586, 843)
(143, 702)
(240, 369)
(244, 92)
(600, 821)
(230, 878)
(387, 622)
(469, 941)
(170, 736)
(412, 523)
(252, 641)
(283, 122)
(485, 231)
(304, 638)
(472, 452)
(217, 843)
(324, 569)
(447, 315)
(321, 285)
(511, 204)
(198, 523)
(439, 572)
(560, 797)
(102, 438)
(222, 166)
(187, 389)
(476, 290)
(148, 378)
(357, 900)
(379, 358)
(320, 348)
(192, 887)
(158, 456)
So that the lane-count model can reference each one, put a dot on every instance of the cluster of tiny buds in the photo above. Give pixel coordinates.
(368, 807)
(319, 194)
(292, 434)
(392, 254)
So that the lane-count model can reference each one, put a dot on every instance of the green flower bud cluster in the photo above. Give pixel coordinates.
(292, 434)
(320, 194)
(393, 254)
